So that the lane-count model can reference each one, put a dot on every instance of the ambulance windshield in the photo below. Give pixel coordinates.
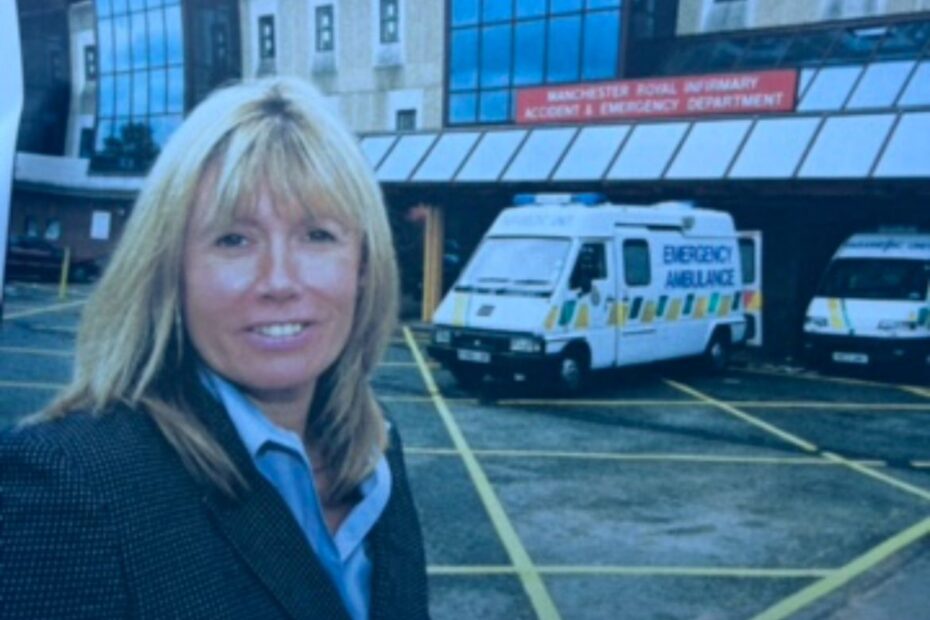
(877, 278)
(505, 264)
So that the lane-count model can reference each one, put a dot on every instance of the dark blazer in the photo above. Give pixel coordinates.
(100, 519)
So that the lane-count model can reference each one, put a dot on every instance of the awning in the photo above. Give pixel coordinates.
(852, 122)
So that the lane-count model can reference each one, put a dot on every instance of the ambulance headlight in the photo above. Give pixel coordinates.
(442, 336)
(896, 326)
(815, 321)
(525, 344)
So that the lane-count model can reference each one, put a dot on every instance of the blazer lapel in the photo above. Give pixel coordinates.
(261, 529)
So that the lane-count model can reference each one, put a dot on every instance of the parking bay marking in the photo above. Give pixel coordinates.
(837, 579)
(652, 457)
(30, 385)
(535, 588)
(30, 351)
(755, 404)
(774, 373)
(638, 571)
(44, 309)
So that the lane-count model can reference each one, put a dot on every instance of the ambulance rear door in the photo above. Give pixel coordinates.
(750, 252)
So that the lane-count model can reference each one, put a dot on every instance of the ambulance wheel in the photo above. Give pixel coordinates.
(717, 353)
(572, 372)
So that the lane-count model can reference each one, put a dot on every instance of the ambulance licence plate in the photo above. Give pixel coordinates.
(850, 358)
(481, 357)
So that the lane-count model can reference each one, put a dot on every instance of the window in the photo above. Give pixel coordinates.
(53, 229)
(90, 62)
(405, 120)
(747, 259)
(86, 148)
(31, 227)
(266, 37)
(590, 265)
(324, 28)
(390, 21)
(636, 270)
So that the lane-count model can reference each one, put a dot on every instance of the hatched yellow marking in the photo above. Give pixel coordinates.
(582, 318)
(459, 308)
(674, 309)
(669, 571)
(649, 311)
(700, 307)
(535, 588)
(552, 317)
(837, 579)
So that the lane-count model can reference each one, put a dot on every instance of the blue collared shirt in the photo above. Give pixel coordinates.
(280, 456)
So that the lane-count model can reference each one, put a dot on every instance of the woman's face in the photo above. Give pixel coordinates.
(269, 299)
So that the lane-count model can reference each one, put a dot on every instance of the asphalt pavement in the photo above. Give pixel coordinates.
(661, 492)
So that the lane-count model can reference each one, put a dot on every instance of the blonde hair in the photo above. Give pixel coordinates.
(273, 134)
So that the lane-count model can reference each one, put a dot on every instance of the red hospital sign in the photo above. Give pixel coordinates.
(696, 95)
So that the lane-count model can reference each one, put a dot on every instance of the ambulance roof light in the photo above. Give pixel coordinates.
(588, 199)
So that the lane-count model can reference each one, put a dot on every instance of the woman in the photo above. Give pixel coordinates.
(219, 452)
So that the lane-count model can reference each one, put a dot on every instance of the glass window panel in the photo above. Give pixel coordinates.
(175, 38)
(531, 8)
(156, 25)
(830, 88)
(119, 6)
(121, 49)
(906, 154)
(808, 49)
(724, 55)
(175, 90)
(463, 108)
(464, 59)
(774, 148)
(856, 45)
(158, 91)
(880, 85)
(464, 12)
(404, 157)
(601, 40)
(494, 106)
(689, 58)
(105, 45)
(765, 52)
(591, 153)
(139, 43)
(103, 8)
(154, 3)
(107, 98)
(493, 152)
(918, 88)
(539, 154)
(374, 148)
(564, 47)
(601, 4)
(495, 56)
(528, 51)
(905, 40)
(123, 93)
(163, 127)
(136, 5)
(647, 151)
(140, 94)
(804, 80)
(104, 131)
(564, 6)
(446, 157)
(709, 149)
(847, 146)
(498, 10)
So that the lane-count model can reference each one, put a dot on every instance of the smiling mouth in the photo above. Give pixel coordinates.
(280, 330)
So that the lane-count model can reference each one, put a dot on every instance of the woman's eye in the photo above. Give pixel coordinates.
(231, 240)
(320, 234)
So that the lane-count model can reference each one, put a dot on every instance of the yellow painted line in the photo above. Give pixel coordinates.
(913, 389)
(908, 488)
(45, 309)
(820, 378)
(669, 571)
(920, 464)
(541, 402)
(643, 457)
(839, 578)
(28, 351)
(785, 436)
(529, 576)
(30, 385)
(802, 404)
(422, 399)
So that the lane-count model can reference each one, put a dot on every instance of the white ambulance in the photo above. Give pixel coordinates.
(873, 305)
(557, 290)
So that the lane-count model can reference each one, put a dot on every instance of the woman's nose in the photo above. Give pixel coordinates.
(278, 274)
